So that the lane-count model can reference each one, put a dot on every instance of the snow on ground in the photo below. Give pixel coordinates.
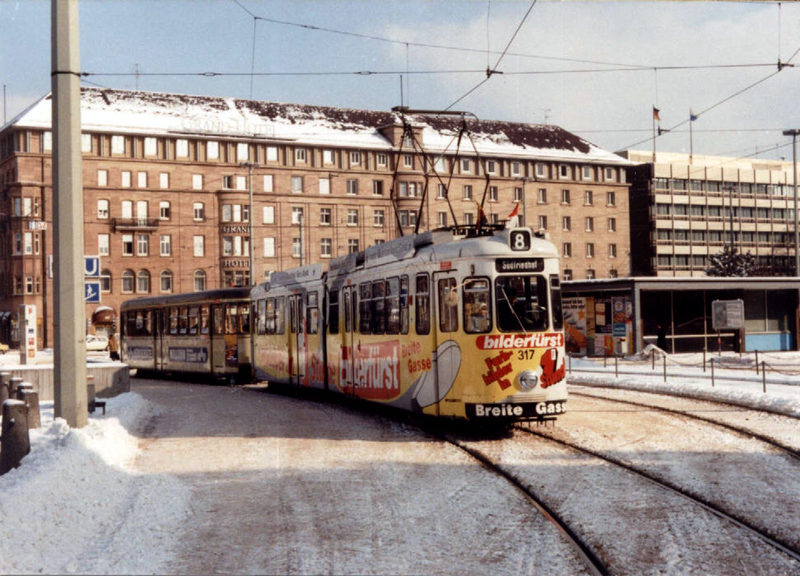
(75, 505)
(78, 504)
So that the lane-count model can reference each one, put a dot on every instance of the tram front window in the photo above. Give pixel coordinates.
(521, 303)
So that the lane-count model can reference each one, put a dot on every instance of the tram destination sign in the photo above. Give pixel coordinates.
(519, 264)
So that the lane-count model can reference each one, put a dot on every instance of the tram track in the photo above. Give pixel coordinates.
(743, 523)
(744, 432)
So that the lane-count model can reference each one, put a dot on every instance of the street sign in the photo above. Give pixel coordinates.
(727, 314)
(91, 291)
(91, 266)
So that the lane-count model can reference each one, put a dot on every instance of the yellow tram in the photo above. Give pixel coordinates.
(449, 323)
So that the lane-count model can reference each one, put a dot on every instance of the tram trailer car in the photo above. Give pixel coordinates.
(197, 333)
(451, 323)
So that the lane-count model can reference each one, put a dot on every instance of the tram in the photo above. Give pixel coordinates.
(454, 323)
(197, 333)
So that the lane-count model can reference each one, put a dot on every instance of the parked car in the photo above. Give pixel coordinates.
(3, 348)
(96, 343)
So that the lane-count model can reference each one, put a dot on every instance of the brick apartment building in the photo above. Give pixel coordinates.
(166, 181)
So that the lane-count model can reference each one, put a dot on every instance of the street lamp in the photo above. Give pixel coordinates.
(793, 133)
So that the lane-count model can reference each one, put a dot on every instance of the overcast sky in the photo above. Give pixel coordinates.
(552, 72)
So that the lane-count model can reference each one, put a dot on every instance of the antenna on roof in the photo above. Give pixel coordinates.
(401, 91)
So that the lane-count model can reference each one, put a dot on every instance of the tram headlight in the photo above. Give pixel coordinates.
(528, 380)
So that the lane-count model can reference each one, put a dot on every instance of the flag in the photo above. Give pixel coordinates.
(655, 114)
(693, 116)
(513, 212)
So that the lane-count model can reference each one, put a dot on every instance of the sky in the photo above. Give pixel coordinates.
(594, 68)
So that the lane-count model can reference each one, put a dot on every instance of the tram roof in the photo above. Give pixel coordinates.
(242, 293)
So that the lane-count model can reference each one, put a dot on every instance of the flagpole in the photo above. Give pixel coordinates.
(691, 143)
(654, 135)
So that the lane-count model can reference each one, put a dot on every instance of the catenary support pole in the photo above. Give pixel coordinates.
(69, 306)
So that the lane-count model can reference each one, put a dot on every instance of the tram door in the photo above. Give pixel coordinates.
(347, 359)
(297, 343)
(161, 324)
(447, 355)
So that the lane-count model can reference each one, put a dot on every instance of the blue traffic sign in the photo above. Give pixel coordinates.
(91, 292)
(91, 266)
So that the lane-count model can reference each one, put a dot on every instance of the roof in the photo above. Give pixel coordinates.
(139, 112)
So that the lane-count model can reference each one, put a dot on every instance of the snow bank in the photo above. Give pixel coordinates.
(76, 502)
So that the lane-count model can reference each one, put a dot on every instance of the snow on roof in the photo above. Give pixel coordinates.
(138, 112)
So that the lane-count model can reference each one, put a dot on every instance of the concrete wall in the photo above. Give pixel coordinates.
(109, 379)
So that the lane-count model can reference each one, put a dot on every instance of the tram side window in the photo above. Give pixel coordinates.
(555, 303)
(204, 317)
(183, 320)
(312, 313)
(348, 311)
(364, 323)
(393, 306)
(448, 305)
(173, 320)
(521, 303)
(194, 319)
(378, 308)
(477, 306)
(244, 319)
(422, 303)
(261, 322)
(143, 323)
(237, 319)
(404, 304)
(279, 315)
(333, 311)
(219, 319)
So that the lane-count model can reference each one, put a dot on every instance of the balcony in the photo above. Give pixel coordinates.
(144, 224)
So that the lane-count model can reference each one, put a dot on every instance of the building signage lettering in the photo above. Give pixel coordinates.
(228, 229)
(235, 263)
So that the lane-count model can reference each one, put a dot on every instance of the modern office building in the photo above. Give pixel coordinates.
(167, 183)
(685, 208)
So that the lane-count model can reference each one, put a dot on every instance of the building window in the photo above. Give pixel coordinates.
(441, 192)
(127, 244)
(441, 219)
(565, 199)
(199, 245)
(326, 247)
(566, 250)
(541, 170)
(199, 281)
(117, 144)
(613, 273)
(143, 281)
(102, 177)
(612, 250)
(327, 157)
(563, 171)
(141, 179)
(143, 245)
(269, 247)
(408, 160)
(325, 186)
(542, 222)
(128, 279)
(493, 193)
(469, 218)
(163, 180)
(181, 148)
(541, 197)
(588, 198)
(199, 211)
(355, 158)
(297, 215)
(166, 245)
(517, 194)
(103, 247)
(17, 243)
(377, 187)
(105, 281)
(590, 250)
(466, 166)
(102, 209)
(587, 173)
(589, 224)
(296, 248)
(297, 184)
(268, 183)
(166, 281)
(612, 224)
(150, 146)
(590, 274)
(268, 215)
(611, 199)
(164, 210)
(197, 181)
(272, 154)
(352, 217)
(611, 175)
(125, 179)
(567, 274)
(300, 155)
(212, 150)
(516, 168)
(86, 142)
(378, 217)
(491, 167)
(352, 246)
(242, 152)
(467, 191)
(352, 187)
(383, 160)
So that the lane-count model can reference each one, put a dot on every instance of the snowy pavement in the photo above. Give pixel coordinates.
(185, 478)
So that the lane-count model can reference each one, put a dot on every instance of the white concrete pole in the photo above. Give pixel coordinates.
(70, 310)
